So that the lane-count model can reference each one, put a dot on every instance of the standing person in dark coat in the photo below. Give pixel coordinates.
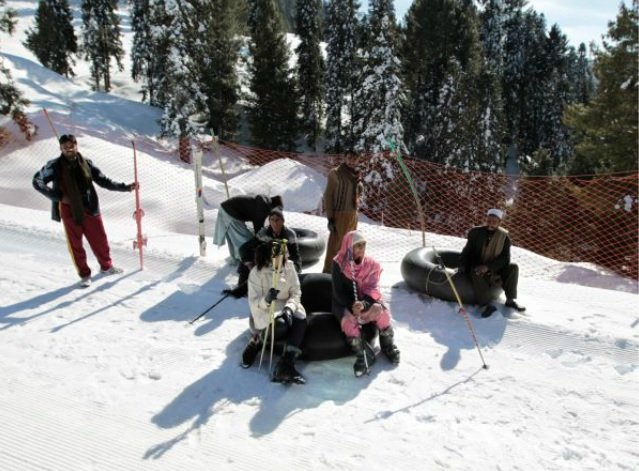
(341, 202)
(486, 260)
(75, 202)
(275, 230)
(233, 215)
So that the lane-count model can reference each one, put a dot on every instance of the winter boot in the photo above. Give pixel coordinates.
(364, 357)
(250, 351)
(285, 371)
(387, 345)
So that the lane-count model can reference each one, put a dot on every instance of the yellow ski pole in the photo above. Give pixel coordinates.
(277, 255)
(462, 310)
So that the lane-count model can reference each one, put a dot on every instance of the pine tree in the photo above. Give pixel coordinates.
(513, 75)
(491, 125)
(151, 23)
(556, 96)
(185, 100)
(310, 69)
(606, 128)
(379, 98)
(582, 77)
(273, 112)
(442, 58)
(143, 45)
(215, 53)
(342, 73)
(52, 39)
(12, 102)
(101, 39)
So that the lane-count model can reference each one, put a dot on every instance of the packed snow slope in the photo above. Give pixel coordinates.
(113, 377)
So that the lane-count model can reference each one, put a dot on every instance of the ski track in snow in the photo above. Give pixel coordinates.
(193, 422)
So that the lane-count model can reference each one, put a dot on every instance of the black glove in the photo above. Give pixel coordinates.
(331, 225)
(287, 315)
(461, 270)
(271, 295)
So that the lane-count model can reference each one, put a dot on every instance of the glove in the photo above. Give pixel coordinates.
(461, 270)
(331, 225)
(271, 295)
(133, 186)
(287, 315)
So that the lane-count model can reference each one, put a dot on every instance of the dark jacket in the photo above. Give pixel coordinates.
(247, 251)
(471, 254)
(52, 173)
(344, 294)
(249, 208)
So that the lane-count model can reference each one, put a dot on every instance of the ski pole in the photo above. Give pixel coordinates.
(413, 189)
(216, 151)
(226, 295)
(462, 310)
(278, 246)
(350, 256)
(46, 114)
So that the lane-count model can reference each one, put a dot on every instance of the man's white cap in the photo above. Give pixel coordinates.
(495, 212)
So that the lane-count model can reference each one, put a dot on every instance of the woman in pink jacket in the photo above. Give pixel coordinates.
(357, 300)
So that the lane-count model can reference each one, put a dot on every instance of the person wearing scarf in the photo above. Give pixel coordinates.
(284, 302)
(485, 259)
(74, 201)
(357, 300)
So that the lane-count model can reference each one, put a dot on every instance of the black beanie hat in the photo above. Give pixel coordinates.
(67, 138)
(276, 212)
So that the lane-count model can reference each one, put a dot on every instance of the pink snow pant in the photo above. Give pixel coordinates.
(377, 314)
(91, 228)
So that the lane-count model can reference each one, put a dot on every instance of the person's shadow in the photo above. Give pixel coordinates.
(7, 312)
(446, 325)
(231, 383)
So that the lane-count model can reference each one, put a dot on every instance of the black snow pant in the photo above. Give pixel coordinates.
(508, 277)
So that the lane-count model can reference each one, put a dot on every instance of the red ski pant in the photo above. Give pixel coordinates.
(91, 228)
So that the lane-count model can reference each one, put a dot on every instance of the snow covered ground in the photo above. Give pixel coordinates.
(114, 376)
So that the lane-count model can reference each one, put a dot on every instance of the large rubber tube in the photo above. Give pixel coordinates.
(324, 339)
(310, 244)
(421, 273)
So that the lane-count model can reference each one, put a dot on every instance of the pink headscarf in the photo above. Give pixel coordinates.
(366, 273)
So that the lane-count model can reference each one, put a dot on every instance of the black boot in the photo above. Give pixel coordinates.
(285, 371)
(250, 351)
(364, 357)
(241, 290)
(388, 346)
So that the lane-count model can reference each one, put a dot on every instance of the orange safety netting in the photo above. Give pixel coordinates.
(569, 219)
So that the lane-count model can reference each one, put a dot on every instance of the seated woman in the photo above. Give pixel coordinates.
(277, 292)
(275, 230)
(357, 300)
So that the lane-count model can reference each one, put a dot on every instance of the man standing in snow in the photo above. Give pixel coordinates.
(233, 215)
(341, 202)
(486, 260)
(75, 202)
